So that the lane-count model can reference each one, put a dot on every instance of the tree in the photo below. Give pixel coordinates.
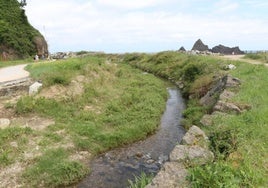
(23, 3)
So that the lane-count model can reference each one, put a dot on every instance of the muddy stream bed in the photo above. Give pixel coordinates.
(114, 168)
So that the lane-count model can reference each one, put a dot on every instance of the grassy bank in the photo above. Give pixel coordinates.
(239, 142)
(96, 105)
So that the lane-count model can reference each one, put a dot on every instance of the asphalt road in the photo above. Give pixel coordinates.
(13, 73)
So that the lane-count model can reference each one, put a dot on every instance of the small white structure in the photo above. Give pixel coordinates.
(34, 88)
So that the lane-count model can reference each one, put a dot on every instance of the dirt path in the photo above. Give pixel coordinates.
(13, 73)
(240, 57)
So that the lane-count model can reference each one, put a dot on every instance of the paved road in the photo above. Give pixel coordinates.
(13, 73)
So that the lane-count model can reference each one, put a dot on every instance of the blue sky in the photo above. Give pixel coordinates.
(149, 25)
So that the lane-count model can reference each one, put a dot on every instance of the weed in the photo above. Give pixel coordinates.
(53, 169)
(140, 181)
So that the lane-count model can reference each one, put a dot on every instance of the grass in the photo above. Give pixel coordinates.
(263, 57)
(118, 105)
(140, 181)
(239, 142)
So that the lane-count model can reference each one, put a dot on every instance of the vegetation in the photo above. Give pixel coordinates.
(140, 181)
(119, 105)
(15, 32)
(238, 142)
(261, 56)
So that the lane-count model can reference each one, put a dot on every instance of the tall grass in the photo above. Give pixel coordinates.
(239, 142)
(119, 105)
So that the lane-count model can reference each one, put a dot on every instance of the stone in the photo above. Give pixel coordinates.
(206, 120)
(195, 136)
(231, 66)
(182, 49)
(200, 46)
(225, 95)
(227, 50)
(210, 99)
(172, 175)
(227, 107)
(34, 88)
(232, 82)
(191, 155)
(41, 46)
(4, 123)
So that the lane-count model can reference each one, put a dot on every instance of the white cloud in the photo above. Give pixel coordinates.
(100, 25)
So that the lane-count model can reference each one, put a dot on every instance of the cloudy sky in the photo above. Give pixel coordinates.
(149, 25)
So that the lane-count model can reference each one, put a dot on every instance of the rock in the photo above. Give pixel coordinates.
(232, 82)
(34, 88)
(226, 95)
(182, 49)
(172, 175)
(231, 67)
(200, 46)
(4, 123)
(211, 97)
(227, 107)
(191, 155)
(195, 136)
(206, 120)
(226, 50)
(41, 46)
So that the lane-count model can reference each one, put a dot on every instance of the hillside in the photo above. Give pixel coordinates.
(18, 39)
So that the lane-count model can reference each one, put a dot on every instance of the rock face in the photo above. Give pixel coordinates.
(182, 49)
(200, 46)
(226, 50)
(41, 46)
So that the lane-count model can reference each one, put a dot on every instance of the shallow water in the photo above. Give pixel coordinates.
(114, 168)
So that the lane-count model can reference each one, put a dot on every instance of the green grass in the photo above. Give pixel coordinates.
(119, 105)
(263, 57)
(140, 181)
(239, 142)
(53, 169)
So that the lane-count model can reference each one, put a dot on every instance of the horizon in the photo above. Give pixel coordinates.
(149, 26)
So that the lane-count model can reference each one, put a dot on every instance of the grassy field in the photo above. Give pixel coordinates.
(262, 57)
(116, 104)
(240, 142)
(104, 105)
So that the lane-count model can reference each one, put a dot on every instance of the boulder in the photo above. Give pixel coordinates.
(211, 97)
(232, 82)
(226, 50)
(225, 95)
(227, 107)
(41, 46)
(171, 175)
(4, 123)
(195, 136)
(34, 88)
(182, 49)
(191, 155)
(206, 120)
(200, 46)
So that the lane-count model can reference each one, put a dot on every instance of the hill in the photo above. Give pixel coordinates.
(18, 38)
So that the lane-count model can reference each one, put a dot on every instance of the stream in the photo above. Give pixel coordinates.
(114, 168)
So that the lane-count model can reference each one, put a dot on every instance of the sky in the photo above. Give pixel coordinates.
(118, 26)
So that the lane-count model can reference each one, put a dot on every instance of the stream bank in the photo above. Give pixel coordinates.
(116, 167)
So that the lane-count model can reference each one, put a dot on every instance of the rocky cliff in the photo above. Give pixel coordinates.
(18, 39)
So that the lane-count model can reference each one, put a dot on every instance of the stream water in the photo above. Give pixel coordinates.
(114, 168)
